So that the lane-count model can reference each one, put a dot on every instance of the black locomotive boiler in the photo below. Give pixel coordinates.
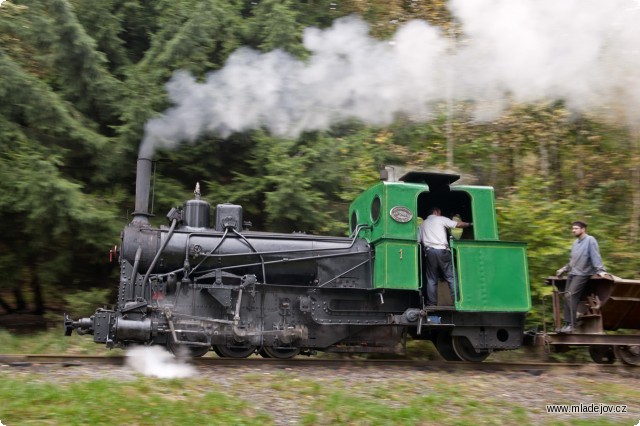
(197, 286)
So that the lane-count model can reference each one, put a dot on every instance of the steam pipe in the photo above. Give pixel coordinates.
(134, 275)
(158, 254)
(143, 176)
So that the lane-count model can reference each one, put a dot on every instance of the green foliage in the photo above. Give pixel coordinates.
(275, 26)
(139, 20)
(297, 185)
(84, 303)
(101, 21)
(81, 73)
(198, 39)
(196, 36)
(80, 80)
(51, 228)
(528, 215)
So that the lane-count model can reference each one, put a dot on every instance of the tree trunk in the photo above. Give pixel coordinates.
(543, 152)
(514, 164)
(493, 171)
(21, 304)
(38, 298)
(7, 307)
(578, 151)
(555, 168)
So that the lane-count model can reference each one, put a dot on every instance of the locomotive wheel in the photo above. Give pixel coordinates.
(179, 350)
(629, 355)
(234, 351)
(444, 345)
(465, 350)
(602, 354)
(263, 354)
(280, 353)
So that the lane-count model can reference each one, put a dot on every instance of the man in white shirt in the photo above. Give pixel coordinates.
(432, 235)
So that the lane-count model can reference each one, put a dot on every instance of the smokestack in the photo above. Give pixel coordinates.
(143, 176)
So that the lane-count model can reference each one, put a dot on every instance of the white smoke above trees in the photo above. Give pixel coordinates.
(581, 51)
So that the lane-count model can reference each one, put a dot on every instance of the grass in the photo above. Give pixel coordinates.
(31, 399)
(52, 341)
(442, 405)
(107, 402)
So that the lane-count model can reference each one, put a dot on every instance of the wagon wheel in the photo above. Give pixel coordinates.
(602, 354)
(465, 350)
(630, 355)
(236, 351)
(444, 345)
(279, 352)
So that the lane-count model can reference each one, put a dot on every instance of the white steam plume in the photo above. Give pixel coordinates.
(582, 51)
(157, 362)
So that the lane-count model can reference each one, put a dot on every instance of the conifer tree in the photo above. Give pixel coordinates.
(104, 26)
(274, 26)
(82, 75)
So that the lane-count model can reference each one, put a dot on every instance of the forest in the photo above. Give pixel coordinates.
(83, 83)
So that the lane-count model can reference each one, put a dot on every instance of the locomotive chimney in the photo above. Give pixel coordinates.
(143, 176)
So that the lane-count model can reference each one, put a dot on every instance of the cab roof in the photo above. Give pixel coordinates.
(430, 178)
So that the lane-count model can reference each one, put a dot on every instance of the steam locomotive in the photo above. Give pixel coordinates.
(195, 286)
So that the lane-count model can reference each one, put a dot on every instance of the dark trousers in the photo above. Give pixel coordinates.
(574, 289)
(438, 264)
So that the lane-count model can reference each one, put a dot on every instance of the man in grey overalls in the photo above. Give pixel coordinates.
(585, 261)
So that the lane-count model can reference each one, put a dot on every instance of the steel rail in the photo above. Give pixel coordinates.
(536, 368)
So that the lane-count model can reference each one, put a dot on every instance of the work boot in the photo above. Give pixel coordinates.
(566, 329)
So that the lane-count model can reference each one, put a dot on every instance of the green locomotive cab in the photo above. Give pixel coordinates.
(490, 275)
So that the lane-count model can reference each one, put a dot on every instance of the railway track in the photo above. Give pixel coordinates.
(34, 360)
